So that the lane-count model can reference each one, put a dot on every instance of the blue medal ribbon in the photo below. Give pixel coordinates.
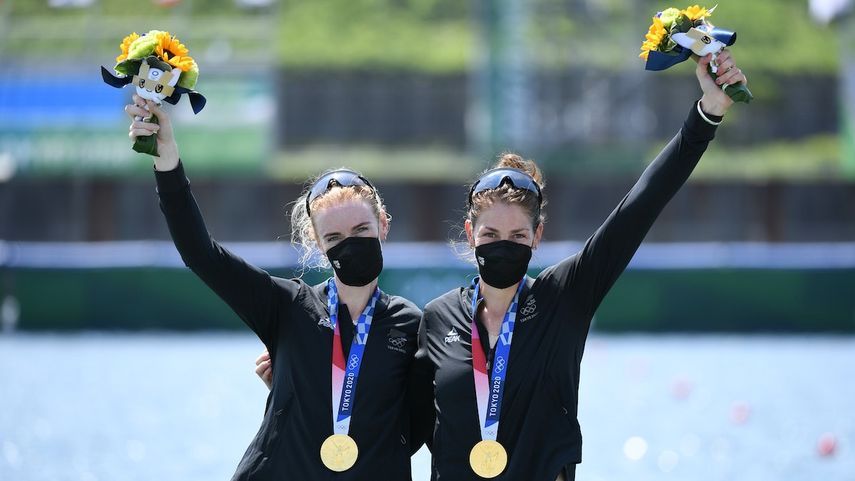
(501, 361)
(341, 420)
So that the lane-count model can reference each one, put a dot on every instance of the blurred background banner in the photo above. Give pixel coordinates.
(420, 96)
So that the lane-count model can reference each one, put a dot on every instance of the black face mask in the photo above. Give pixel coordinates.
(356, 260)
(502, 263)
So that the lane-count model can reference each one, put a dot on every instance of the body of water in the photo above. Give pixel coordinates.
(184, 407)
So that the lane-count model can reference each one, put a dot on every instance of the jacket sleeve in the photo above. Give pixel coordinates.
(589, 274)
(249, 291)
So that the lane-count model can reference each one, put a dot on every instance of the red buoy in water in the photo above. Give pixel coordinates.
(681, 389)
(827, 445)
(740, 413)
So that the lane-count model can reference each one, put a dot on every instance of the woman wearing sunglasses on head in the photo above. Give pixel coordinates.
(338, 407)
(505, 352)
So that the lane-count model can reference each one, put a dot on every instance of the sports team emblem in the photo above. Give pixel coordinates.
(529, 307)
(453, 336)
(397, 339)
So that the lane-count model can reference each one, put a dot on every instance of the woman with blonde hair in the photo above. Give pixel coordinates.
(511, 414)
(338, 406)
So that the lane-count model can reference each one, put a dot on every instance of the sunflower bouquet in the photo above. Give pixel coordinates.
(676, 34)
(161, 69)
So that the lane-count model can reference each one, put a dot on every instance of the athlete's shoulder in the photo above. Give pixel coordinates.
(296, 289)
(289, 282)
(292, 285)
(445, 302)
(403, 307)
(561, 271)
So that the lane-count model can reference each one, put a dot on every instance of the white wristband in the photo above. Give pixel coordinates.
(704, 116)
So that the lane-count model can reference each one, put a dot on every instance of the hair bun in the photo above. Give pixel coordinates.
(515, 161)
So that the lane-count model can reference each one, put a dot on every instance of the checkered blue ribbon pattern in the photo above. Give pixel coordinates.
(489, 391)
(346, 374)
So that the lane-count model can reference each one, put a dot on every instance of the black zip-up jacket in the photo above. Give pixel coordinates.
(538, 425)
(292, 320)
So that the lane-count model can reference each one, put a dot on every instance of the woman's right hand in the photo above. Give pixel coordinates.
(264, 369)
(166, 146)
(715, 100)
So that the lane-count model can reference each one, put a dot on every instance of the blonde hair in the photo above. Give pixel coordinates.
(302, 225)
(509, 194)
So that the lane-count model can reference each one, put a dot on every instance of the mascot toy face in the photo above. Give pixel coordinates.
(158, 66)
(161, 70)
(677, 34)
(155, 80)
(700, 41)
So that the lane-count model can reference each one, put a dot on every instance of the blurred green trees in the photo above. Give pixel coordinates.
(420, 35)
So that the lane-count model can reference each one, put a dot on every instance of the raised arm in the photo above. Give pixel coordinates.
(608, 251)
(248, 290)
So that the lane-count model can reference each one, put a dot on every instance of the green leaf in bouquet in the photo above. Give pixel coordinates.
(128, 67)
(146, 145)
(682, 24)
(188, 79)
(670, 45)
(668, 16)
(143, 46)
(739, 93)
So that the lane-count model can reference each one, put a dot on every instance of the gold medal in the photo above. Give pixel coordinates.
(339, 452)
(488, 459)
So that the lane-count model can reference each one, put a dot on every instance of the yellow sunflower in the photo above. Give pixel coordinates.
(173, 52)
(172, 44)
(696, 12)
(654, 38)
(126, 43)
(184, 63)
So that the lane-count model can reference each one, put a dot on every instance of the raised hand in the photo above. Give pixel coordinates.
(715, 101)
(167, 148)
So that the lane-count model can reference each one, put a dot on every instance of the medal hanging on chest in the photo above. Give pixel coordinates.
(488, 458)
(339, 451)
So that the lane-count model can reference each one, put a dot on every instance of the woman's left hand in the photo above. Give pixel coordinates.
(264, 369)
(715, 101)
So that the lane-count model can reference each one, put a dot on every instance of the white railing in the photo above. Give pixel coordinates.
(412, 255)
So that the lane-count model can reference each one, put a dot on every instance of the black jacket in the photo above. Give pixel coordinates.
(538, 424)
(291, 318)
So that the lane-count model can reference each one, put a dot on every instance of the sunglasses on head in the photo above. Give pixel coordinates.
(339, 178)
(495, 178)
